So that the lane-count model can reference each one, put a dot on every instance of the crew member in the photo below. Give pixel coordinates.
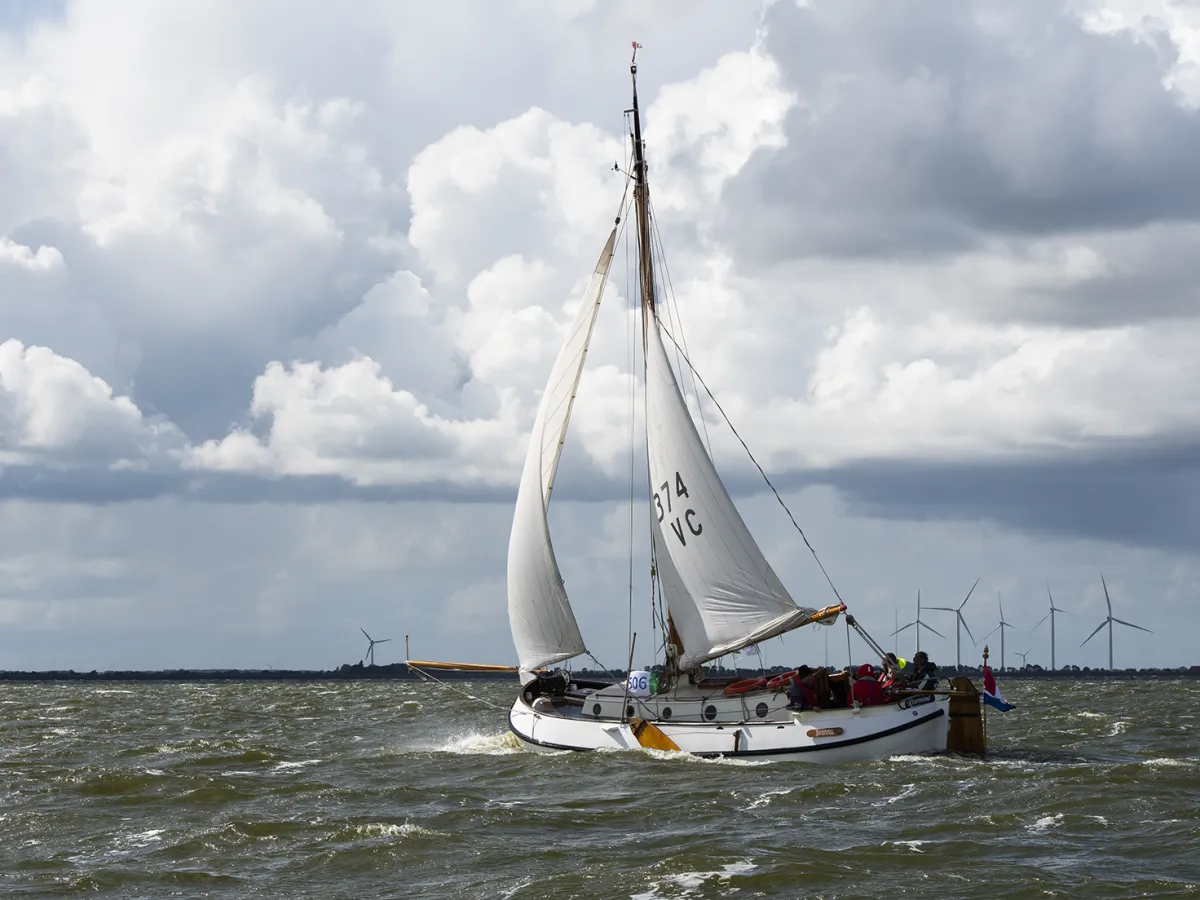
(923, 670)
(867, 691)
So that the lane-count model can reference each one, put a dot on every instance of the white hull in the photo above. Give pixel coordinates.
(821, 735)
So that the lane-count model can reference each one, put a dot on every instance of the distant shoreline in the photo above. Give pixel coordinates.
(401, 672)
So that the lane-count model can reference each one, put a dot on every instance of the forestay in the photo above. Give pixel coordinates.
(722, 592)
(543, 625)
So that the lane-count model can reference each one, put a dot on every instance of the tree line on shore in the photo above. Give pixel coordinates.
(359, 671)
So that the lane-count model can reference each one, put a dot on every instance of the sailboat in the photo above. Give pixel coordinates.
(720, 592)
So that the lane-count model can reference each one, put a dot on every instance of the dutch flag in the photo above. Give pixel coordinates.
(991, 693)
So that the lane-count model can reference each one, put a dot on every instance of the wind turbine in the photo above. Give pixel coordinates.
(1001, 627)
(1024, 663)
(371, 646)
(1050, 615)
(1109, 622)
(960, 624)
(918, 623)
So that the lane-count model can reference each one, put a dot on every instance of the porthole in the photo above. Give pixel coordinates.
(761, 710)
(666, 712)
(596, 709)
(629, 710)
(710, 712)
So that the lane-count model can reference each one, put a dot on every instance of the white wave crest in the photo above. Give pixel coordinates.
(914, 846)
(287, 766)
(764, 799)
(907, 791)
(688, 884)
(476, 743)
(390, 829)
(705, 760)
(1045, 823)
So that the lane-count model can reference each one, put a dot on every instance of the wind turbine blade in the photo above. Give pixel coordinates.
(905, 628)
(1051, 596)
(1035, 627)
(927, 628)
(969, 593)
(946, 608)
(986, 636)
(1131, 625)
(364, 631)
(1094, 633)
(965, 626)
(1106, 600)
(384, 641)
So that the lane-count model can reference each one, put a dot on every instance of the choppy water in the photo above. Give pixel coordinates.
(393, 789)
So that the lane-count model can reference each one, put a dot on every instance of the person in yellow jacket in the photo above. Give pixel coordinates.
(894, 674)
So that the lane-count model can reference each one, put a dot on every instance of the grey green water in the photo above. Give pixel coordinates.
(394, 789)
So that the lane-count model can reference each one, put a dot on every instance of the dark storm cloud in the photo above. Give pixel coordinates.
(1145, 496)
(27, 482)
(1153, 274)
(922, 127)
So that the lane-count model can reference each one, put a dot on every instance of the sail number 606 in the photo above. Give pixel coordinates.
(686, 517)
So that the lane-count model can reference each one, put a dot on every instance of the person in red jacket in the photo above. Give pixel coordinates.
(867, 689)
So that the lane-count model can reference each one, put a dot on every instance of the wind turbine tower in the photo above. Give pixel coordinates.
(1109, 622)
(1050, 615)
(371, 645)
(960, 624)
(918, 623)
(1001, 628)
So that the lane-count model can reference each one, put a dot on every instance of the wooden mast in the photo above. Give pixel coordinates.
(641, 200)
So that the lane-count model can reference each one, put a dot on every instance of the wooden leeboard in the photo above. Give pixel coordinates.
(650, 736)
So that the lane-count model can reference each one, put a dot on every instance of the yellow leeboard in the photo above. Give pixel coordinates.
(650, 736)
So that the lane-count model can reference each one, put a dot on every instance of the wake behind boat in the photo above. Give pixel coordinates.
(719, 592)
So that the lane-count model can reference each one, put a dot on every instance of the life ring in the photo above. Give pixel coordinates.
(780, 680)
(745, 685)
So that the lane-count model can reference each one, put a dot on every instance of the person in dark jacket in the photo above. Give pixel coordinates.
(809, 689)
(923, 670)
(799, 692)
(867, 689)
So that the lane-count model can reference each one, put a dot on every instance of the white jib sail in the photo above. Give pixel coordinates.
(730, 595)
(543, 625)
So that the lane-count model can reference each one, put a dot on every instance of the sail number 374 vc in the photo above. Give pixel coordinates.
(685, 520)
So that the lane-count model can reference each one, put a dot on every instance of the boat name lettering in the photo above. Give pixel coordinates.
(687, 517)
(909, 702)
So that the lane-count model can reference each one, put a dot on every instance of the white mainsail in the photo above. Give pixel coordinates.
(543, 625)
(724, 594)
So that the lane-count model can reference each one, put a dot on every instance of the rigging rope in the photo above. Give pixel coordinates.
(429, 677)
(603, 667)
(761, 471)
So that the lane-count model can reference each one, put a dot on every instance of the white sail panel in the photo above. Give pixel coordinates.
(731, 596)
(543, 625)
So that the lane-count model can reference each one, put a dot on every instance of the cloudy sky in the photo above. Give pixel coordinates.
(280, 286)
